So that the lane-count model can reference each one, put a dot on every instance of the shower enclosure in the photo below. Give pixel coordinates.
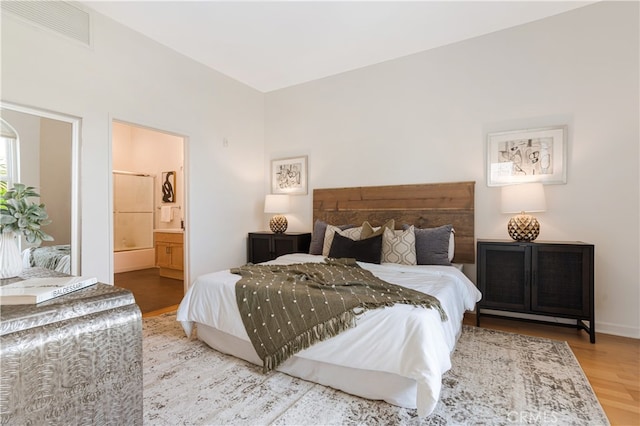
(133, 221)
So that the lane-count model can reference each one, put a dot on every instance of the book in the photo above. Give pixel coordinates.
(37, 290)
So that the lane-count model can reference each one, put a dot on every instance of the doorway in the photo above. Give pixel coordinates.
(148, 214)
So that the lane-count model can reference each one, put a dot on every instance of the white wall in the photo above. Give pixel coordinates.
(424, 118)
(128, 77)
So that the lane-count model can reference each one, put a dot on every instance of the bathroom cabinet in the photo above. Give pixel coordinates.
(170, 254)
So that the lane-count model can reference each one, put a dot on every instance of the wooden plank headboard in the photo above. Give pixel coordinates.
(423, 205)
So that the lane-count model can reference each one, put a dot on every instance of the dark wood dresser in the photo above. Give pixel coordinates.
(548, 279)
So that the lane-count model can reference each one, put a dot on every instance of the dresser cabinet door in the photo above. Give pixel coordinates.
(504, 275)
(561, 277)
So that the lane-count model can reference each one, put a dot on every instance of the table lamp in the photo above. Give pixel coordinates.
(523, 199)
(279, 204)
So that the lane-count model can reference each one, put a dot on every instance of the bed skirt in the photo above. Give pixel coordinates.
(369, 384)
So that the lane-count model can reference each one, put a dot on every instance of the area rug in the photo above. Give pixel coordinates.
(497, 378)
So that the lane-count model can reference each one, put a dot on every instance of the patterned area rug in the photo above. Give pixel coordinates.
(497, 378)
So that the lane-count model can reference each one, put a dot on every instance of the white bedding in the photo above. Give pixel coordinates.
(403, 340)
(56, 257)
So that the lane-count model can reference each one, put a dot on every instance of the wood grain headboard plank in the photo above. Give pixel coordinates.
(423, 205)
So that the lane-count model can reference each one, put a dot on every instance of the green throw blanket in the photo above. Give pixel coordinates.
(287, 308)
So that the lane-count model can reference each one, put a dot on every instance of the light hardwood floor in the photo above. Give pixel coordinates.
(612, 364)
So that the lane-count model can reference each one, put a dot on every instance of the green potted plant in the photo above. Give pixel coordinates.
(19, 215)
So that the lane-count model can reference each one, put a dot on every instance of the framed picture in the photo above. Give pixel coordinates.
(168, 187)
(533, 155)
(289, 176)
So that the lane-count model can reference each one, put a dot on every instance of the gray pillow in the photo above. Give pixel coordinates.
(317, 237)
(432, 245)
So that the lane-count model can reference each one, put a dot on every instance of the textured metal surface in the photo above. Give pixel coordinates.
(76, 359)
(97, 298)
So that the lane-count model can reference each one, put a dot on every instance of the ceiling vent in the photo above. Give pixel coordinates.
(59, 16)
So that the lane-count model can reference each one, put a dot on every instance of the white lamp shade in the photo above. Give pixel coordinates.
(526, 197)
(276, 203)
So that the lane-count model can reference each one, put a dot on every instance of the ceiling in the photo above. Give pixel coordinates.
(271, 45)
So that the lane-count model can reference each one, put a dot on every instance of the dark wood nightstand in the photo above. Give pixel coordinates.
(265, 246)
(552, 279)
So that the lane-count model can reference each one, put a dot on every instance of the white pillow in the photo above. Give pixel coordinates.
(452, 244)
(352, 233)
(399, 246)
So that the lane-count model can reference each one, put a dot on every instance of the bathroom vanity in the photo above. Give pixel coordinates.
(169, 247)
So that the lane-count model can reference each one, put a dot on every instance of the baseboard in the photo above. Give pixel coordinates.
(601, 327)
(617, 330)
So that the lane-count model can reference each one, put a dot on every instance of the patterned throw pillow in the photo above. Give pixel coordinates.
(352, 233)
(399, 246)
(369, 231)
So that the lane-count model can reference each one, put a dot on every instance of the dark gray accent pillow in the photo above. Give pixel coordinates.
(317, 237)
(369, 250)
(432, 245)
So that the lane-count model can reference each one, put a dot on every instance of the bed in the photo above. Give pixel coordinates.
(56, 258)
(397, 354)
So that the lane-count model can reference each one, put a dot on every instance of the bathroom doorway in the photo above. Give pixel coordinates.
(148, 215)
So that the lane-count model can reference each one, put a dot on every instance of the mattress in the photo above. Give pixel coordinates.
(397, 354)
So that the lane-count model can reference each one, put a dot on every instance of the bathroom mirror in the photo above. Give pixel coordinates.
(48, 157)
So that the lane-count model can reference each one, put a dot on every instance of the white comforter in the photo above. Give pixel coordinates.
(405, 340)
